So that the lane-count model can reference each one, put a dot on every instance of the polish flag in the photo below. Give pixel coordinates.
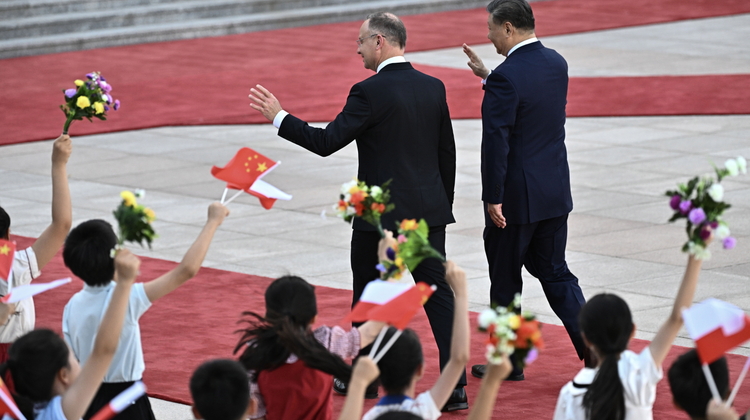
(8, 407)
(28, 290)
(121, 402)
(7, 255)
(716, 327)
(393, 303)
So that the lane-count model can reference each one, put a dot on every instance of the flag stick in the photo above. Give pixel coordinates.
(377, 342)
(711, 382)
(233, 197)
(736, 388)
(387, 346)
(224, 196)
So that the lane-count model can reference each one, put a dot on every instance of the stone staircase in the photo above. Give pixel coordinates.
(30, 27)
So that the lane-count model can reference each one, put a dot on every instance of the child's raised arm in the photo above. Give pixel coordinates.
(663, 340)
(77, 398)
(365, 371)
(52, 239)
(443, 388)
(491, 381)
(192, 260)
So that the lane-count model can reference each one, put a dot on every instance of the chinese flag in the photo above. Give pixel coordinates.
(8, 406)
(243, 169)
(7, 254)
(401, 309)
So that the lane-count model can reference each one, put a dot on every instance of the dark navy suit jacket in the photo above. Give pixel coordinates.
(400, 120)
(524, 160)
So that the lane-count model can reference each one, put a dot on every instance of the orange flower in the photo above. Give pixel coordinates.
(358, 197)
(359, 208)
(527, 334)
(409, 224)
(378, 207)
(342, 205)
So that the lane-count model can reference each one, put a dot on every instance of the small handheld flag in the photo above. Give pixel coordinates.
(244, 172)
(7, 255)
(121, 402)
(8, 407)
(28, 290)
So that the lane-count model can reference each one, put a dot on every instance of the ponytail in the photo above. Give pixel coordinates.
(606, 322)
(25, 405)
(269, 341)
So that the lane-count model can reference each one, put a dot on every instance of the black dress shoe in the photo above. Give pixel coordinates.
(340, 387)
(516, 375)
(457, 401)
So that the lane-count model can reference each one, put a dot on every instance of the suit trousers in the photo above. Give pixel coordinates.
(540, 247)
(439, 308)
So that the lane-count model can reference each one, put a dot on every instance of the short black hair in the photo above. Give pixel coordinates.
(220, 390)
(388, 25)
(87, 252)
(689, 386)
(517, 12)
(401, 362)
(398, 415)
(4, 224)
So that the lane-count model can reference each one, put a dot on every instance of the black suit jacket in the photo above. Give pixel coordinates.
(400, 120)
(524, 160)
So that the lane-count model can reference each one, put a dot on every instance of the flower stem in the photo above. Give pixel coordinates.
(67, 123)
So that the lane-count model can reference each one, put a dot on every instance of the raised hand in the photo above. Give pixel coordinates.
(475, 63)
(264, 102)
(217, 212)
(62, 149)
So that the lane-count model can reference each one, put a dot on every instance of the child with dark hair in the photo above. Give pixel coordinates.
(623, 385)
(87, 254)
(44, 376)
(291, 367)
(30, 261)
(402, 366)
(220, 391)
(690, 391)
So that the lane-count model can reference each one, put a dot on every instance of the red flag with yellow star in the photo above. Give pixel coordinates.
(243, 169)
(7, 255)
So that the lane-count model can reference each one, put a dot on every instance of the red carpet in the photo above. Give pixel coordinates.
(206, 81)
(196, 323)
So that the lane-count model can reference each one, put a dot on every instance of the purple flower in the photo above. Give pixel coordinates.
(697, 216)
(685, 206)
(531, 356)
(117, 104)
(107, 98)
(675, 202)
(381, 268)
(705, 232)
(390, 253)
(105, 86)
(70, 92)
(730, 242)
(91, 76)
(106, 108)
(714, 225)
(102, 78)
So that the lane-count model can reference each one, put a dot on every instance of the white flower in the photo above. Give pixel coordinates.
(742, 163)
(699, 252)
(493, 356)
(140, 193)
(486, 317)
(346, 187)
(722, 232)
(716, 191)
(732, 166)
(376, 192)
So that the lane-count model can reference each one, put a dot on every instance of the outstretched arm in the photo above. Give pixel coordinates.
(491, 381)
(77, 398)
(52, 239)
(365, 371)
(192, 260)
(443, 388)
(663, 340)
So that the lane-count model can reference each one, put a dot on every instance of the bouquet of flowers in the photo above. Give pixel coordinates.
(357, 199)
(88, 99)
(700, 202)
(511, 333)
(412, 246)
(134, 219)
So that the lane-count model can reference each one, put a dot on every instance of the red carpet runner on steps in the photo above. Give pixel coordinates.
(197, 322)
(206, 81)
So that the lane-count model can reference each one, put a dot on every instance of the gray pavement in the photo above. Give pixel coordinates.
(619, 239)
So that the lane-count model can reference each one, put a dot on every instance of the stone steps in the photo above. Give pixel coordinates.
(40, 27)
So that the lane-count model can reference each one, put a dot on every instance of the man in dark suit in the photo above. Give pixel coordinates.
(525, 176)
(400, 120)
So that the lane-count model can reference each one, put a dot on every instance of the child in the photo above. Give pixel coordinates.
(220, 391)
(44, 376)
(491, 381)
(401, 367)
(623, 386)
(364, 372)
(86, 254)
(690, 391)
(30, 261)
(290, 365)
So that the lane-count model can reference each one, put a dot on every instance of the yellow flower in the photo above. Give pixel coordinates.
(98, 107)
(399, 263)
(83, 102)
(514, 322)
(150, 215)
(409, 224)
(79, 82)
(129, 198)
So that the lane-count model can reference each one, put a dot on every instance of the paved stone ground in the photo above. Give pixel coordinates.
(619, 240)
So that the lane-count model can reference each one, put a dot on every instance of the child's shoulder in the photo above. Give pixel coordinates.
(52, 411)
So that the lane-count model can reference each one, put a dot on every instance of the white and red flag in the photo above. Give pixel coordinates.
(376, 294)
(716, 327)
(121, 402)
(8, 407)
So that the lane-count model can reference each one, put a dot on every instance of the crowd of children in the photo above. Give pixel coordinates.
(285, 368)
